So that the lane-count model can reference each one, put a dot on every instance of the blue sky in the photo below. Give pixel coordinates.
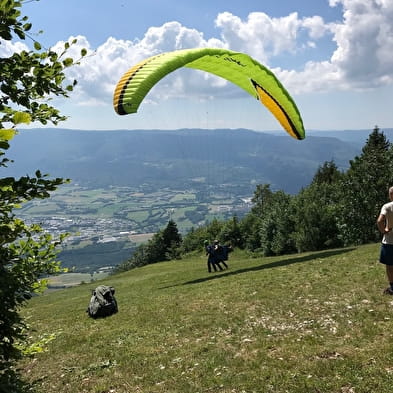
(333, 56)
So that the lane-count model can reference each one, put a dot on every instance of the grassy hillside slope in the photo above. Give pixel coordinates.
(315, 322)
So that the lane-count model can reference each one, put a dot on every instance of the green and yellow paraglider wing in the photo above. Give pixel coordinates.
(239, 68)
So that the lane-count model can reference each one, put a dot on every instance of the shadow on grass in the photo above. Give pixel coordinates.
(271, 265)
(11, 381)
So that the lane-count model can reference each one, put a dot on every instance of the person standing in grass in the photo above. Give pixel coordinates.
(221, 254)
(385, 225)
(211, 257)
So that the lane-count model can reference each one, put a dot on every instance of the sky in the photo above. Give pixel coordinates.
(333, 56)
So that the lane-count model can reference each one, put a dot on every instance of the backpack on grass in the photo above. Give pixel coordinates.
(102, 302)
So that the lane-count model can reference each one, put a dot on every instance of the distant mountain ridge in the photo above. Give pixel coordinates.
(181, 158)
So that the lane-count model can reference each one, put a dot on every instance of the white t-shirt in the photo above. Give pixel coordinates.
(387, 211)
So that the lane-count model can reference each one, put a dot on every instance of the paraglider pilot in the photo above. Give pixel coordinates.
(385, 224)
(217, 254)
(221, 253)
(211, 257)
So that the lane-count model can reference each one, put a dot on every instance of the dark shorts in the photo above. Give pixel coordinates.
(386, 255)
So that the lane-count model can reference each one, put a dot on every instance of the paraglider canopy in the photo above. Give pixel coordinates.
(236, 67)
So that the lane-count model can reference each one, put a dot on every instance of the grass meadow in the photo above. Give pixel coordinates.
(304, 323)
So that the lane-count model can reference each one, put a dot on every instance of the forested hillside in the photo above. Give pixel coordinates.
(338, 208)
(190, 158)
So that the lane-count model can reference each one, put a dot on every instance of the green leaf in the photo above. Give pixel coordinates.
(6, 188)
(27, 26)
(20, 33)
(37, 45)
(4, 145)
(21, 117)
(7, 134)
(68, 62)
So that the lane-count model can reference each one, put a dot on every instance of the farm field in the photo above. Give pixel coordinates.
(108, 212)
(106, 225)
(68, 280)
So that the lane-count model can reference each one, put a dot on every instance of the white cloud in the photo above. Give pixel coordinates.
(361, 57)
(259, 35)
(315, 77)
(171, 36)
(316, 26)
(99, 72)
(7, 48)
(365, 42)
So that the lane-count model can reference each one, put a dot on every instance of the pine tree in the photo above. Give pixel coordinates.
(171, 241)
(327, 173)
(171, 235)
(364, 188)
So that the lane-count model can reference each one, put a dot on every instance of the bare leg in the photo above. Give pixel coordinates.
(389, 273)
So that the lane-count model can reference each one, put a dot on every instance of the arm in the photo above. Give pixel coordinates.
(381, 224)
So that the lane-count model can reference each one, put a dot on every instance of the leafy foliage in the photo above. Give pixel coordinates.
(28, 79)
(315, 209)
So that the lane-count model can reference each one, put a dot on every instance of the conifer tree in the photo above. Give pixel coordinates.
(363, 190)
(171, 235)
(171, 241)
